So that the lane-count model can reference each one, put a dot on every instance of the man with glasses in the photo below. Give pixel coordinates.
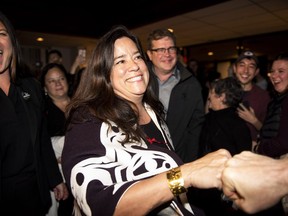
(179, 91)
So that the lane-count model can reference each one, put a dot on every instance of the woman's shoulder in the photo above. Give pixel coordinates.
(82, 114)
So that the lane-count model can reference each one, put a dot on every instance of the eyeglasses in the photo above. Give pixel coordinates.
(171, 50)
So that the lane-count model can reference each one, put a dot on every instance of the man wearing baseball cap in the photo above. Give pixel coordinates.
(249, 55)
(255, 100)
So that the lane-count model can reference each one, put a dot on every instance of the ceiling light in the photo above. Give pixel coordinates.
(40, 39)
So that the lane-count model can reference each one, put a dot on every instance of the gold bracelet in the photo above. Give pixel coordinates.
(175, 181)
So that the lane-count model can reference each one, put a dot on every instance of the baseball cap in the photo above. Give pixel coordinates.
(247, 54)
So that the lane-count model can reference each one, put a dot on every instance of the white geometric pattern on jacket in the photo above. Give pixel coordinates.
(117, 156)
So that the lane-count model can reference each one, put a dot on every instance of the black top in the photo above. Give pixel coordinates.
(154, 136)
(13, 134)
(225, 129)
(25, 147)
(55, 119)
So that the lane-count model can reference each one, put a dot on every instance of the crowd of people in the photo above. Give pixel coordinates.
(131, 135)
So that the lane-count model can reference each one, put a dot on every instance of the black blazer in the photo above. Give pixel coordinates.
(47, 170)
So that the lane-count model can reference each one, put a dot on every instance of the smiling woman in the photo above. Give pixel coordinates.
(129, 76)
(274, 131)
(55, 84)
(118, 152)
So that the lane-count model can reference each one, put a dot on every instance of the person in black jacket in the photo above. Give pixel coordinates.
(274, 132)
(223, 128)
(179, 91)
(28, 166)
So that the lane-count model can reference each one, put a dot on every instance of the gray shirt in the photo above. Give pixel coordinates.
(165, 88)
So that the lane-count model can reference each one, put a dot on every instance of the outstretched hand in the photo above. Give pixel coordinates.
(253, 181)
(206, 171)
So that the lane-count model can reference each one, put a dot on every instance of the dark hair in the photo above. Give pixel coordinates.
(95, 92)
(49, 66)
(55, 51)
(158, 34)
(232, 89)
(17, 66)
(282, 56)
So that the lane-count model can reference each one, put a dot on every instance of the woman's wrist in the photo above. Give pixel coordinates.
(176, 181)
